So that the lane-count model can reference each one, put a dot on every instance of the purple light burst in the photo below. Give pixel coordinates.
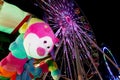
(77, 50)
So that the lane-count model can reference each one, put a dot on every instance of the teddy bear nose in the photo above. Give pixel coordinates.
(40, 51)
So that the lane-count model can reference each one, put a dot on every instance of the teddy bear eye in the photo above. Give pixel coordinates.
(45, 41)
(48, 47)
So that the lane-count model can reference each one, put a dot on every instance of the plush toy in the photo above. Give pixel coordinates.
(36, 41)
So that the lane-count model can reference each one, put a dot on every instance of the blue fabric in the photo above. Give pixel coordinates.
(29, 69)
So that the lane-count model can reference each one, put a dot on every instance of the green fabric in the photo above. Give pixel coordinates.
(55, 72)
(50, 62)
(17, 47)
(4, 78)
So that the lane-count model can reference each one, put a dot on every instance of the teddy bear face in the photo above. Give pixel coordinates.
(37, 47)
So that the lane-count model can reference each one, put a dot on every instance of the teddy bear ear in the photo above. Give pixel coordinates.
(34, 20)
(23, 28)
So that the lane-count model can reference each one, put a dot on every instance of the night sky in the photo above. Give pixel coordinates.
(103, 17)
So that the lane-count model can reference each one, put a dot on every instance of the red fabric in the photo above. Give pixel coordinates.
(44, 66)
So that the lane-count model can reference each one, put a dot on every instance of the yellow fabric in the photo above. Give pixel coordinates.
(54, 67)
(23, 28)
